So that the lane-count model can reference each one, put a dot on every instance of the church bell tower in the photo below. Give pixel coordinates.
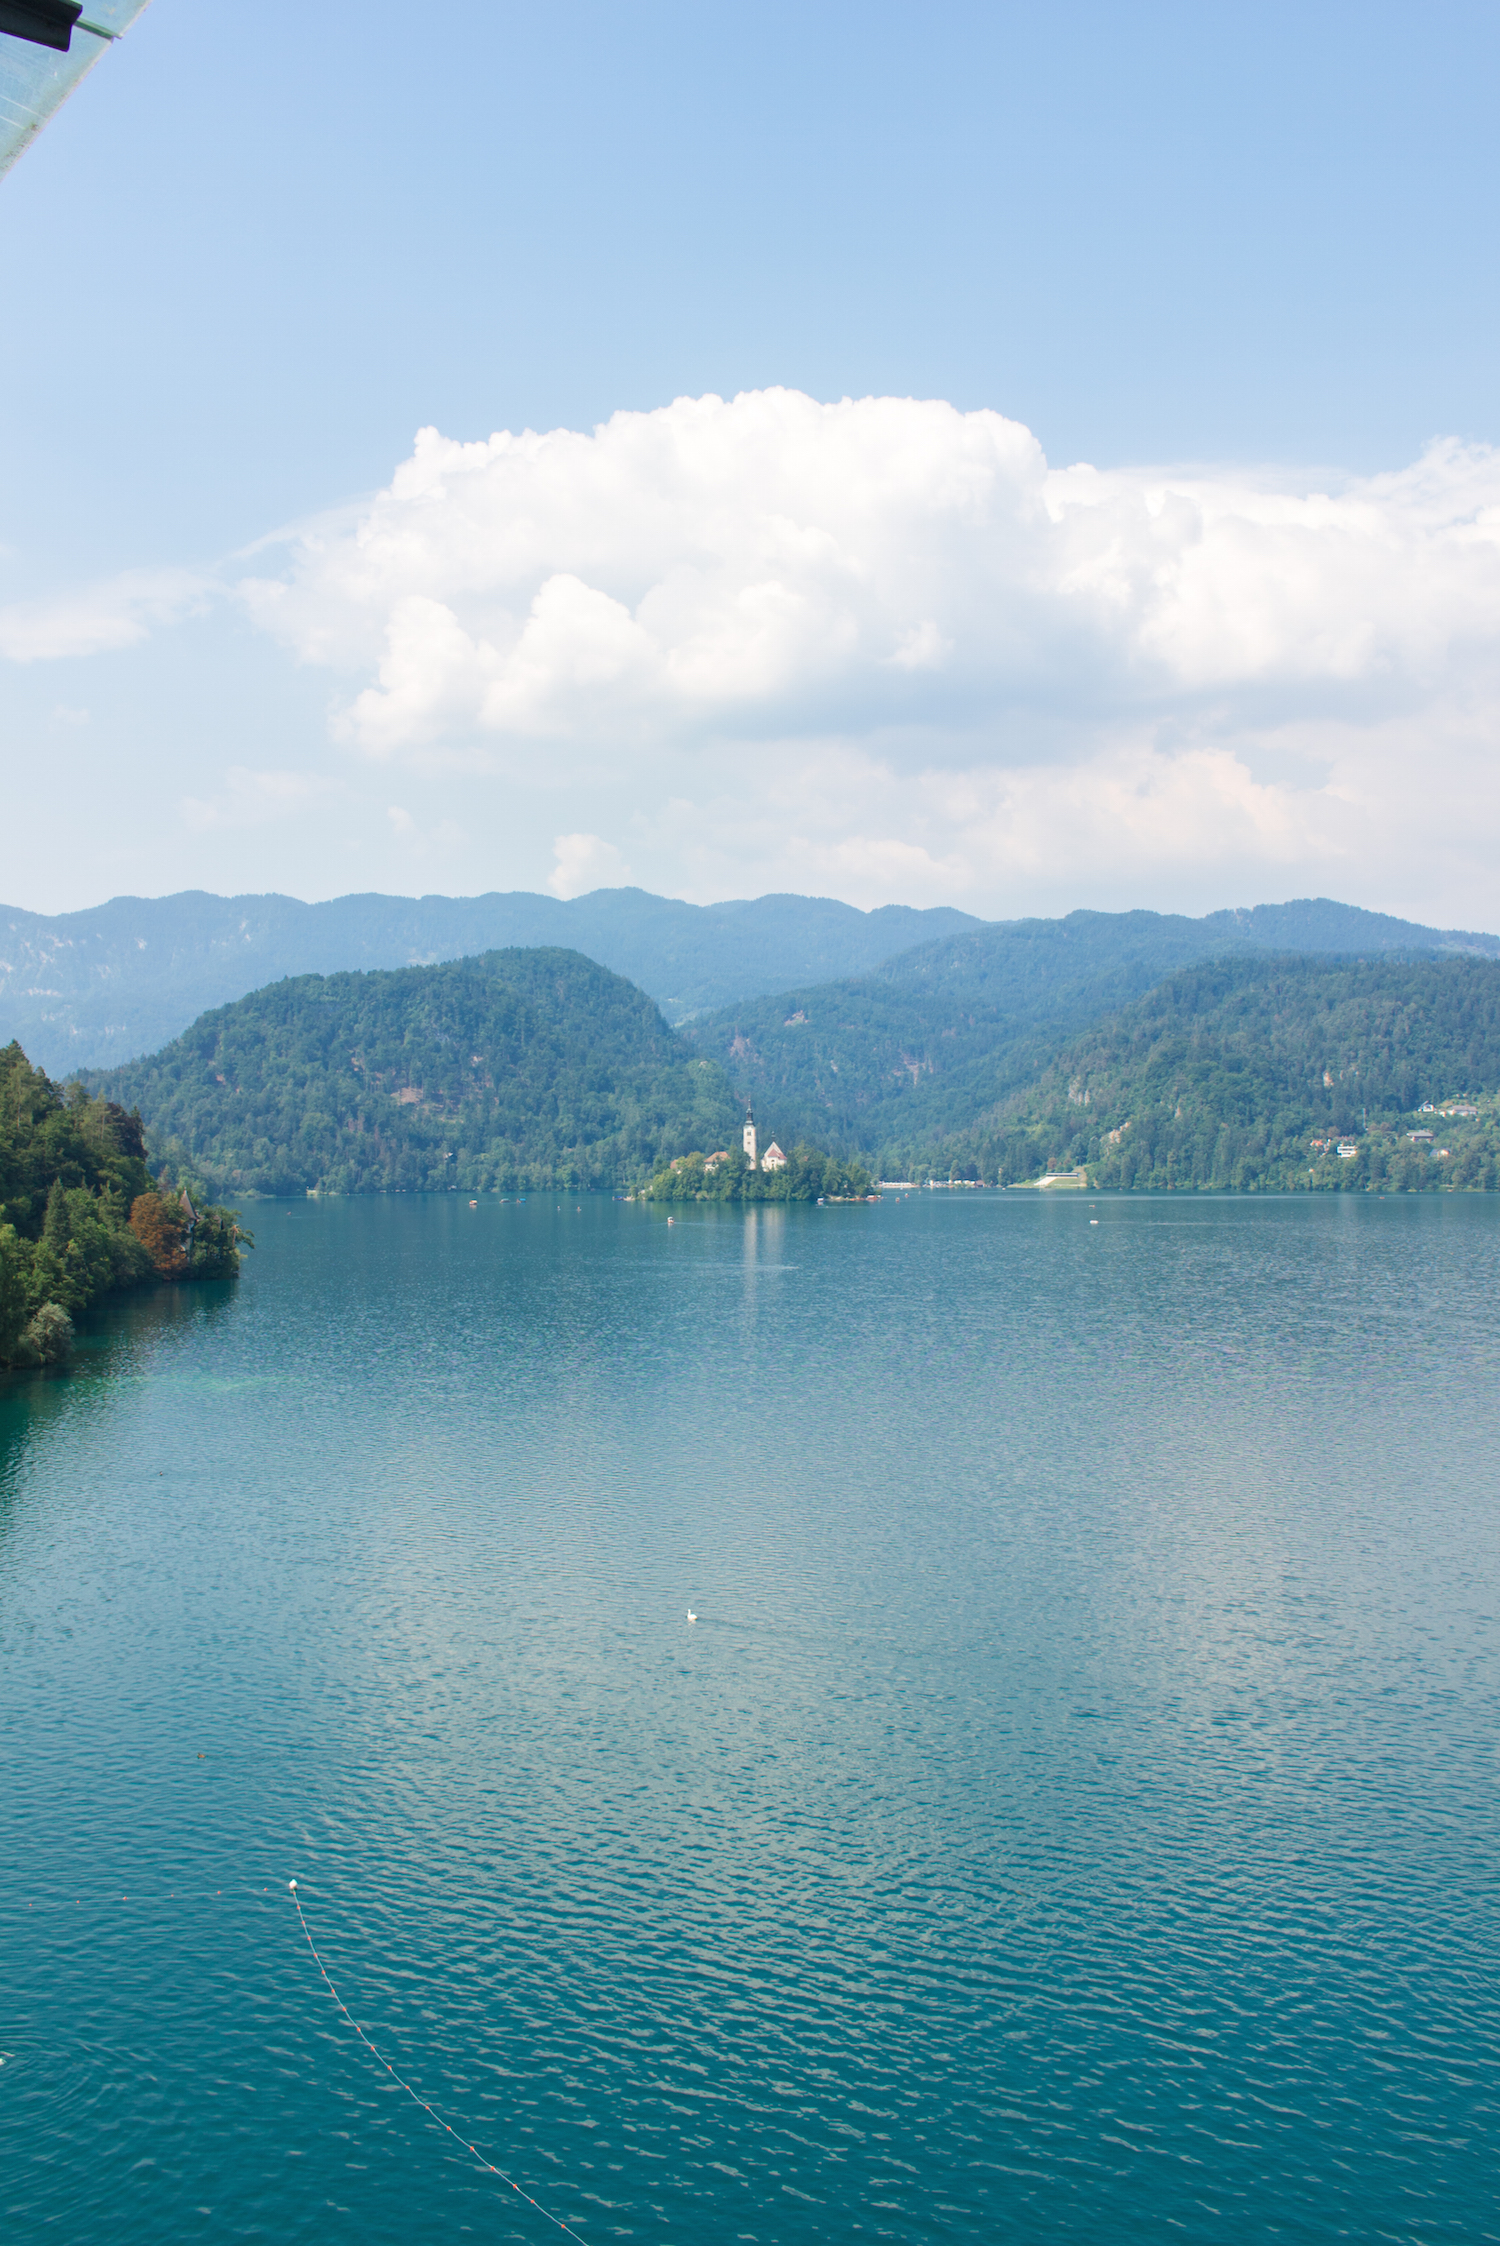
(750, 1139)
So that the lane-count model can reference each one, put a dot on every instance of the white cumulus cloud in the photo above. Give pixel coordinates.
(585, 862)
(881, 646)
(765, 565)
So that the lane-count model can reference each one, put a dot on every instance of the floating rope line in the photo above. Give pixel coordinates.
(415, 2095)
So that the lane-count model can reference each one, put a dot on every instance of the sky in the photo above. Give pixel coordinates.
(1011, 458)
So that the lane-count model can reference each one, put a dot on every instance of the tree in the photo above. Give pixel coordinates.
(161, 1228)
(15, 1275)
(46, 1338)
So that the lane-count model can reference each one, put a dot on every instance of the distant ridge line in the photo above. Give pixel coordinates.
(104, 985)
(100, 986)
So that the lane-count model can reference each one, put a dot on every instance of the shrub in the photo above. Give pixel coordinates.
(46, 1338)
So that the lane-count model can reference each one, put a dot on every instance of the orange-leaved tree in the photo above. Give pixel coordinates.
(161, 1228)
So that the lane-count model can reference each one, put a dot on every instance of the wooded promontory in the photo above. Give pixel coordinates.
(81, 1213)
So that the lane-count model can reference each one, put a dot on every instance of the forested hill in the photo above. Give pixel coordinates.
(1257, 1074)
(90, 989)
(517, 1069)
(934, 1037)
(526, 1069)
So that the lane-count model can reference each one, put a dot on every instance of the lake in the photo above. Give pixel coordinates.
(1072, 1816)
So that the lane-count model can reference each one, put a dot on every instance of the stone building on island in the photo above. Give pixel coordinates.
(772, 1159)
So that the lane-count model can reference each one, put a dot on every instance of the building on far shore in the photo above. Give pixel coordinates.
(750, 1139)
(773, 1158)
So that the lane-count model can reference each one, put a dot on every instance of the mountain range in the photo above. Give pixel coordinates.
(1264, 1072)
(1154, 1048)
(92, 989)
(916, 1050)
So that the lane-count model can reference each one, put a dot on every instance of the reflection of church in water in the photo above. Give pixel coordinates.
(772, 1159)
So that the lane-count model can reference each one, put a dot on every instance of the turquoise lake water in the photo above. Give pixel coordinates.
(1073, 1815)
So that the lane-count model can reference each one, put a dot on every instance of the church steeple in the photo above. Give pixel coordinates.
(750, 1136)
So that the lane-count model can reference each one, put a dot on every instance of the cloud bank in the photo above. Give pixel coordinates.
(879, 648)
(882, 646)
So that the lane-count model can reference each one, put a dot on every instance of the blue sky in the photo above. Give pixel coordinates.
(1223, 254)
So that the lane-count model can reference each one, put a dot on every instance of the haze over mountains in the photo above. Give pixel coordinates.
(917, 1049)
(96, 988)
(92, 989)
(1253, 1070)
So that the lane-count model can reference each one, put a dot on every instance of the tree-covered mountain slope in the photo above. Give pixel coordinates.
(518, 1069)
(936, 1036)
(90, 989)
(1259, 1074)
(82, 1215)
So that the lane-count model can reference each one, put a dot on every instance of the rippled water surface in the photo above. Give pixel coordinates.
(1073, 1815)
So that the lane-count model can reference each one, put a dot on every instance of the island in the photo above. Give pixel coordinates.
(730, 1174)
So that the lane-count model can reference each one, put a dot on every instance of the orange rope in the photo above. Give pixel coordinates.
(415, 2095)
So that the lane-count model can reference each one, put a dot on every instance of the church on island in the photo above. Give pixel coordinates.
(772, 1159)
(753, 1172)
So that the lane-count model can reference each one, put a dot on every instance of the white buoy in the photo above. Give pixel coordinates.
(292, 1884)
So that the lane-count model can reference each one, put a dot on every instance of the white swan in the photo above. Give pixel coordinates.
(691, 1616)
